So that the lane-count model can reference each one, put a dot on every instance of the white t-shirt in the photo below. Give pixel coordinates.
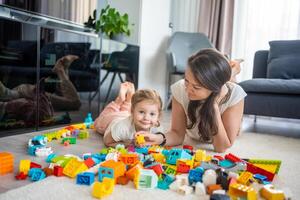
(179, 93)
(123, 129)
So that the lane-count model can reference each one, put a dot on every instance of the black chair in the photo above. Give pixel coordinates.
(181, 46)
(275, 88)
(122, 62)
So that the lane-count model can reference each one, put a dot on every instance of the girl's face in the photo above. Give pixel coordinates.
(145, 115)
(194, 90)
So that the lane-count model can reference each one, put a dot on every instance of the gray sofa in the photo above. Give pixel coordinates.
(275, 88)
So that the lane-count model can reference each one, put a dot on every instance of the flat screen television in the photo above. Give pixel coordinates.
(70, 10)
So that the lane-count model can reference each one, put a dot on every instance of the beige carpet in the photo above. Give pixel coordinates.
(248, 145)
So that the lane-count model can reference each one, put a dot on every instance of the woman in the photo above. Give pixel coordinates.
(206, 105)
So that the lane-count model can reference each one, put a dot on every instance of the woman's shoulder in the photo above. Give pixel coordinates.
(237, 93)
(236, 89)
(179, 93)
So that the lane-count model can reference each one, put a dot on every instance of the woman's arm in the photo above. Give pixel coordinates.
(175, 136)
(229, 124)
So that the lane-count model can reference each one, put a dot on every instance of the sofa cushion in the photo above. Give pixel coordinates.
(278, 86)
(284, 59)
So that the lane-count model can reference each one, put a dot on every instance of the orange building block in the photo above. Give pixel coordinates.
(133, 171)
(129, 159)
(118, 167)
(122, 180)
(212, 188)
(6, 163)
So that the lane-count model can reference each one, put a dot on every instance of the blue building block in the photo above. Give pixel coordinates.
(195, 175)
(36, 174)
(226, 163)
(88, 120)
(175, 154)
(105, 172)
(31, 150)
(86, 178)
(50, 157)
(165, 181)
(142, 150)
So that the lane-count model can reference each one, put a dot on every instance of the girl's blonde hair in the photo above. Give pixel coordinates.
(146, 95)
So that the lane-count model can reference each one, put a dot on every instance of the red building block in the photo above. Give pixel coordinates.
(233, 158)
(58, 171)
(35, 165)
(21, 176)
(257, 170)
(89, 162)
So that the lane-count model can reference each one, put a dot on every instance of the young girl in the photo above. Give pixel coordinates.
(130, 113)
(206, 105)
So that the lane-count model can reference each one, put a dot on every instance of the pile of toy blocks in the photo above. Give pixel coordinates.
(181, 170)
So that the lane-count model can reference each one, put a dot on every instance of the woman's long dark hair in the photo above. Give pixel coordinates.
(212, 70)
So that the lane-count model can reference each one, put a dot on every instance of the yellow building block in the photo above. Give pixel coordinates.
(140, 139)
(200, 155)
(270, 193)
(269, 165)
(104, 188)
(159, 157)
(245, 178)
(24, 166)
(237, 190)
(74, 167)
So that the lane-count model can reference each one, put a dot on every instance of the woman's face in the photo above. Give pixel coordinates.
(194, 90)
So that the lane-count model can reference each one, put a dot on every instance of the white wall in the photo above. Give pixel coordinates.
(132, 7)
(154, 34)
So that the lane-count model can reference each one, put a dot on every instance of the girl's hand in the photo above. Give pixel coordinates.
(153, 139)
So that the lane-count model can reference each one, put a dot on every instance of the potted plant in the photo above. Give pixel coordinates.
(110, 22)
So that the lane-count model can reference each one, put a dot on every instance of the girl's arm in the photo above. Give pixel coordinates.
(110, 142)
(175, 136)
(229, 124)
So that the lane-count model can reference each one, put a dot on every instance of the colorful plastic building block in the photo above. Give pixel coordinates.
(111, 169)
(164, 181)
(233, 158)
(129, 158)
(133, 171)
(270, 193)
(122, 180)
(146, 179)
(195, 175)
(272, 166)
(58, 171)
(6, 163)
(83, 134)
(36, 174)
(245, 178)
(104, 188)
(86, 178)
(24, 166)
(238, 190)
(140, 139)
(74, 167)
(174, 154)
(89, 162)
(71, 140)
(21, 176)
(257, 170)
